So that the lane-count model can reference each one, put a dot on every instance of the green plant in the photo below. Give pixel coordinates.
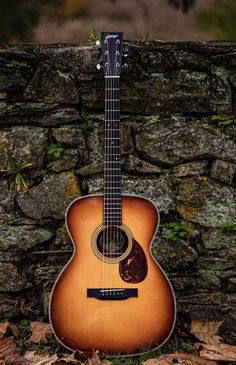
(228, 227)
(176, 230)
(186, 347)
(17, 174)
(219, 19)
(93, 36)
(223, 119)
(55, 150)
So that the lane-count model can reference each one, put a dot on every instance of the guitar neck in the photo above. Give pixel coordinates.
(112, 159)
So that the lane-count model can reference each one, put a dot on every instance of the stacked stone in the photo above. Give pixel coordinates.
(178, 148)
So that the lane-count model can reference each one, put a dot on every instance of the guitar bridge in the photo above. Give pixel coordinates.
(112, 293)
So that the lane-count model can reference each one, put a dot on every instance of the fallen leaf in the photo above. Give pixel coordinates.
(40, 332)
(206, 331)
(218, 352)
(178, 358)
(40, 359)
(67, 359)
(3, 328)
(7, 354)
(95, 360)
(14, 329)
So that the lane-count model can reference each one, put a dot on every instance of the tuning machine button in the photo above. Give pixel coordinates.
(97, 42)
(99, 66)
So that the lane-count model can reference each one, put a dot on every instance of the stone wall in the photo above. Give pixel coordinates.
(178, 104)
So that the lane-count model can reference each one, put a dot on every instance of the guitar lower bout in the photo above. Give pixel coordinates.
(112, 296)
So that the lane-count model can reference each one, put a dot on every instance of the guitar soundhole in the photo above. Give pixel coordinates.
(112, 242)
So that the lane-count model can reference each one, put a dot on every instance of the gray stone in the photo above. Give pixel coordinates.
(68, 161)
(158, 190)
(92, 169)
(22, 145)
(96, 143)
(215, 263)
(174, 255)
(215, 239)
(46, 274)
(14, 73)
(79, 61)
(210, 306)
(176, 139)
(136, 165)
(11, 279)
(232, 284)
(207, 279)
(191, 169)
(206, 202)
(6, 197)
(51, 85)
(30, 113)
(22, 238)
(223, 171)
(70, 135)
(63, 240)
(51, 197)
(181, 91)
(19, 304)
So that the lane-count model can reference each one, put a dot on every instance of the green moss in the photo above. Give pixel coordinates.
(228, 227)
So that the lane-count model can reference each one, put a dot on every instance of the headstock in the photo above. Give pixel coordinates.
(112, 43)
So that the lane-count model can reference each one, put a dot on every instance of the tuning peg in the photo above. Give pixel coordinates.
(99, 66)
(125, 66)
(125, 55)
(97, 42)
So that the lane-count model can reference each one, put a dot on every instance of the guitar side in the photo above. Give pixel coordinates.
(124, 327)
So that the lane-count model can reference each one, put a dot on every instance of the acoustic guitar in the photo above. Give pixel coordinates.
(112, 296)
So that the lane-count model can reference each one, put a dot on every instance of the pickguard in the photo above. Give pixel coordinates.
(133, 269)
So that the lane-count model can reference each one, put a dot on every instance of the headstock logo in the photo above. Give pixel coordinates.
(108, 36)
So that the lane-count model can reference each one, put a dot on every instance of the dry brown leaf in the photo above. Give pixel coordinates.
(206, 331)
(40, 332)
(95, 360)
(178, 358)
(14, 329)
(3, 328)
(67, 359)
(7, 354)
(39, 359)
(218, 352)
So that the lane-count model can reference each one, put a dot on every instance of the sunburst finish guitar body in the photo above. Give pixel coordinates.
(112, 296)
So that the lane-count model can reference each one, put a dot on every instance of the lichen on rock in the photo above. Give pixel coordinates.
(51, 197)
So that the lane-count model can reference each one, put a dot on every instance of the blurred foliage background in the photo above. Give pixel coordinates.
(46, 21)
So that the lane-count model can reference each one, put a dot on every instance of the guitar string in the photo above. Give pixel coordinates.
(107, 173)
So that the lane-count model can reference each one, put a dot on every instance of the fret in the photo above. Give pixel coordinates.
(112, 188)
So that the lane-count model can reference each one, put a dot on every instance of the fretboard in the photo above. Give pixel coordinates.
(112, 162)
